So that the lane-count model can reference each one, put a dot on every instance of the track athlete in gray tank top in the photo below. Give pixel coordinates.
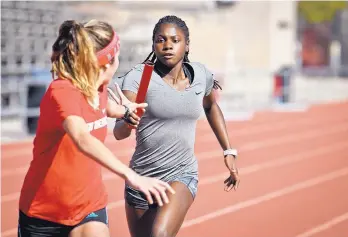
(165, 136)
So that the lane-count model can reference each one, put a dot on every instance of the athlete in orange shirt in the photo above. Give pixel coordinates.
(63, 193)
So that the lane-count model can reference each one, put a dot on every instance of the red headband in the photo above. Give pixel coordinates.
(108, 53)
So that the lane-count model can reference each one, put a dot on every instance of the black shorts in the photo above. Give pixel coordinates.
(138, 200)
(35, 227)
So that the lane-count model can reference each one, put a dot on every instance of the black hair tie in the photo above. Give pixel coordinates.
(126, 113)
(126, 116)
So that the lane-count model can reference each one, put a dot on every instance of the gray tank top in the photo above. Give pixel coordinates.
(166, 134)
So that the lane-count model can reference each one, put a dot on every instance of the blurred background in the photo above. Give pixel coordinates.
(268, 55)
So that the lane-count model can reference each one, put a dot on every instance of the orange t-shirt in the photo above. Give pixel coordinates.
(63, 185)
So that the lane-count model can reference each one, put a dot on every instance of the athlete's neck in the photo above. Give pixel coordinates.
(99, 84)
(175, 73)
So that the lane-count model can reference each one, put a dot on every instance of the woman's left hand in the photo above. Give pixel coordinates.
(121, 99)
(233, 180)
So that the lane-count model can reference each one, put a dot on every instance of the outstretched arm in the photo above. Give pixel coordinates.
(69, 117)
(77, 129)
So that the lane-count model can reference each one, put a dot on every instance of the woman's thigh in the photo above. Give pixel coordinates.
(140, 221)
(165, 220)
(170, 217)
(95, 224)
(91, 229)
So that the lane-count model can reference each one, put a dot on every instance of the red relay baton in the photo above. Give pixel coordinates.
(144, 85)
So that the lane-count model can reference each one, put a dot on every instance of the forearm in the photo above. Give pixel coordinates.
(121, 130)
(101, 154)
(114, 110)
(217, 123)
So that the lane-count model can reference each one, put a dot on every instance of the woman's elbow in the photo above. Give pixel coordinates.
(119, 135)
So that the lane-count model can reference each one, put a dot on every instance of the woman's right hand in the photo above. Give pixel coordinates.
(133, 119)
(151, 187)
(121, 99)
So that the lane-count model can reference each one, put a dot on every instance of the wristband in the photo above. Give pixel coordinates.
(126, 113)
(126, 116)
(231, 152)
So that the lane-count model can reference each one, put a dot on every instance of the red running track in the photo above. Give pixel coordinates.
(294, 171)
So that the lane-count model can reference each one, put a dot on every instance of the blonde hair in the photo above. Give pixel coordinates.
(74, 53)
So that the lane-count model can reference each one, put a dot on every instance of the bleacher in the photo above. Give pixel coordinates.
(27, 32)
